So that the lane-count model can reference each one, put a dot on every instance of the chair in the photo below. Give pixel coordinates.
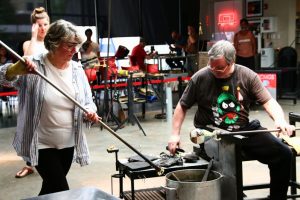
(288, 79)
(287, 58)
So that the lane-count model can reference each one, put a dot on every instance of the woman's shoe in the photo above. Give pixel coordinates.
(24, 172)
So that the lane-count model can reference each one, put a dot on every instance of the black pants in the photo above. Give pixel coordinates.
(269, 150)
(53, 167)
(248, 62)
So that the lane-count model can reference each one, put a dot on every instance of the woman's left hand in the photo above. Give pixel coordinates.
(92, 116)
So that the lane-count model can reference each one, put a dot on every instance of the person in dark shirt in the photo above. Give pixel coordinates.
(223, 92)
(177, 45)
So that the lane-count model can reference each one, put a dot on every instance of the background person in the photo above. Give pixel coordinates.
(191, 50)
(49, 128)
(245, 45)
(89, 49)
(4, 58)
(177, 46)
(223, 92)
(138, 55)
(40, 23)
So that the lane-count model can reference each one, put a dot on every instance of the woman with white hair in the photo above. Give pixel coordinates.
(49, 130)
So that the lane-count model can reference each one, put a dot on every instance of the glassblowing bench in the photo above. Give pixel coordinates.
(149, 173)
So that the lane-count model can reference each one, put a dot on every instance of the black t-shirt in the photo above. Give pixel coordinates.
(224, 102)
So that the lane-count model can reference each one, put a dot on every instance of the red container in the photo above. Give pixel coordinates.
(152, 68)
(111, 61)
(91, 74)
(111, 72)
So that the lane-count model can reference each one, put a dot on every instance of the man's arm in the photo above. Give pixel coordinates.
(178, 118)
(276, 113)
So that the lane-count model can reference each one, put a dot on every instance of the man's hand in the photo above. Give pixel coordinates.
(286, 129)
(173, 143)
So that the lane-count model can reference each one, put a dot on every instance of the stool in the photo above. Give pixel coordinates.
(228, 156)
(293, 118)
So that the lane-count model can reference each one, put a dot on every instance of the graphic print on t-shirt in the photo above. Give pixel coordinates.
(226, 109)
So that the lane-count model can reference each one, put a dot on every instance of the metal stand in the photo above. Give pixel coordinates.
(111, 110)
(105, 107)
(131, 118)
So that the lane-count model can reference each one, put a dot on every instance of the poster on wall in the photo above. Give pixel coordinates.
(254, 8)
(254, 26)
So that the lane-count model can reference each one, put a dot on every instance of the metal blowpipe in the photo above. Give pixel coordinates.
(199, 136)
(158, 169)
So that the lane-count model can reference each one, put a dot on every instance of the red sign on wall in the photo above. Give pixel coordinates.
(226, 19)
(269, 80)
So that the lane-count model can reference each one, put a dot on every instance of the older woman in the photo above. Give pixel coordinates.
(49, 129)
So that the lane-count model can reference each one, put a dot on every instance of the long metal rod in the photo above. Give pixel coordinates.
(159, 170)
(220, 133)
(96, 20)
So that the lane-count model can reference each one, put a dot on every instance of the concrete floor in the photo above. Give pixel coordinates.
(98, 173)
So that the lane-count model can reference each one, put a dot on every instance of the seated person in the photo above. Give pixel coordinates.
(89, 50)
(223, 92)
(177, 45)
(138, 55)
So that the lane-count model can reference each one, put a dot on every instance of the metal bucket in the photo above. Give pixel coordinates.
(187, 184)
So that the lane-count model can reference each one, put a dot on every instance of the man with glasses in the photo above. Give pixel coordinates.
(223, 92)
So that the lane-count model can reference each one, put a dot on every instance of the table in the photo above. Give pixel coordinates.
(167, 56)
(150, 172)
(160, 57)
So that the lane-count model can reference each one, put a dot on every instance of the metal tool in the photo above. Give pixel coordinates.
(199, 136)
(207, 170)
(177, 179)
(159, 170)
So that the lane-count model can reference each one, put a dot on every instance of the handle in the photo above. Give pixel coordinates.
(207, 170)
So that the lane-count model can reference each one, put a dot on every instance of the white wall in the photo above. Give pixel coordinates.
(285, 11)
